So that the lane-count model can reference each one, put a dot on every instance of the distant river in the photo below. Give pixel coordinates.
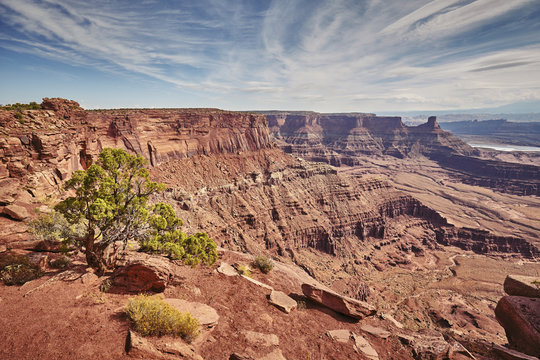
(503, 147)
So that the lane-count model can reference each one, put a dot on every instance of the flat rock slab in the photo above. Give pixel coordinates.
(227, 269)
(375, 331)
(258, 283)
(351, 307)
(518, 285)
(261, 339)
(509, 354)
(282, 301)
(342, 336)
(274, 355)
(363, 346)
(206, 315)
(520, 318)
(16, 212)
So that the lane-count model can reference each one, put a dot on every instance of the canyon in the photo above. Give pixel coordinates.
(355, 201)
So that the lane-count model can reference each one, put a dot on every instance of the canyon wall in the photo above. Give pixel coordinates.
(226, 177)
(338, 139)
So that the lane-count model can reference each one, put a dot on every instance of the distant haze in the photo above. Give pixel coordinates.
(328, 56)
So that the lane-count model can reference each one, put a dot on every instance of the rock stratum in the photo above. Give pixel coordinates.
(338, 139)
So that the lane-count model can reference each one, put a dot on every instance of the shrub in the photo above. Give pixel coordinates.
(61, 263)
(105, 286)
(151, 315)
(17, 269)
(244, 270)
(263, 263)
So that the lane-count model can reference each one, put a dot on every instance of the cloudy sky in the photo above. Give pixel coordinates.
(339, 55)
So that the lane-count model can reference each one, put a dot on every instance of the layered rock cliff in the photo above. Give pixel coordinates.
(339, 138)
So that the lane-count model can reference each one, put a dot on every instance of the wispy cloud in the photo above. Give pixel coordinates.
(343, 55)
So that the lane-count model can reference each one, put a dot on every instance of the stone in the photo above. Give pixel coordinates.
(235, 356)
(375, 331)
(142, 272)
(89, 278)
(179, 349)
(139, 348)
(4, 173)
(274, 355)
(206, 315)
(351, 307)
(509, 354)
(258, 283)
(390, 318)
(227, 269)
(520, 318)
(342, 336)
(363, 346)
(429, 344)
(16, 212)
(518, 285)
(260, 339)
(282, 301)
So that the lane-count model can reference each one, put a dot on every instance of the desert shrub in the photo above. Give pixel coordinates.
(105, 286)
(151, 315)
(53, 226)
(17, 269)
(244, 270)
(61, 263)
(263, 263)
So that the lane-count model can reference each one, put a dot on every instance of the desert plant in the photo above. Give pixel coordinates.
(105, 286)
(17, 269)
(244, 270)
(61, 263)
(263, 263)
(151, 315)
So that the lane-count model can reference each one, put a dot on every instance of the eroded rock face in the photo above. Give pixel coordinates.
(520, 318)
(354, 308)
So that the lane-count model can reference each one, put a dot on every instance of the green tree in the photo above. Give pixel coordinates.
(110, 201)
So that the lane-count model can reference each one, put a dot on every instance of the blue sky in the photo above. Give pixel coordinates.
(340, 55)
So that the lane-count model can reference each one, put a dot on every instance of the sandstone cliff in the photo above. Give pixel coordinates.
(339, 138)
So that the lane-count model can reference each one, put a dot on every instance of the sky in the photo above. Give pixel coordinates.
(328, 56)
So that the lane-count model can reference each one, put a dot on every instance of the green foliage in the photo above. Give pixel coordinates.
(53, 226)
(110, 202)
(166, 238)
(244, 270)
(263, 263)
(17, 269)
(151, 315)
(20, 107)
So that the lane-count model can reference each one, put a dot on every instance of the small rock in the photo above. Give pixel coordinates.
(180, 349)
(235, 356)
(518, 285)
(282, 301)
(227, 269)
(258, 283)
(206, 315)
(260, 339)
(342, 304)
(392, 320)
(363, 346)
(89, 278)
(342, 336)
(375, 331)
(16, 212)
(140, 348)
(274, 355)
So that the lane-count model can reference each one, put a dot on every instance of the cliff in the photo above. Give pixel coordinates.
(338, 139)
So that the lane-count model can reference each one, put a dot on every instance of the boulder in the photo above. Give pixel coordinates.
(342, 304)
(520, 318)
(282, 301)
(16, 212)
(227, 269)
(142, 272)
(139, 348)
(518, 285)
(206, 315)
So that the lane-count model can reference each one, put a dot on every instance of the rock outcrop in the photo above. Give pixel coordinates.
(338, 139)
(141, 273)
(518, 285)
(351, 307)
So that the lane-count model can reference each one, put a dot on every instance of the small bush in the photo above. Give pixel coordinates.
(61, 263)
(153, 316)
(105, 286)
(17, 269)
(244, 270)
(263, 263)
